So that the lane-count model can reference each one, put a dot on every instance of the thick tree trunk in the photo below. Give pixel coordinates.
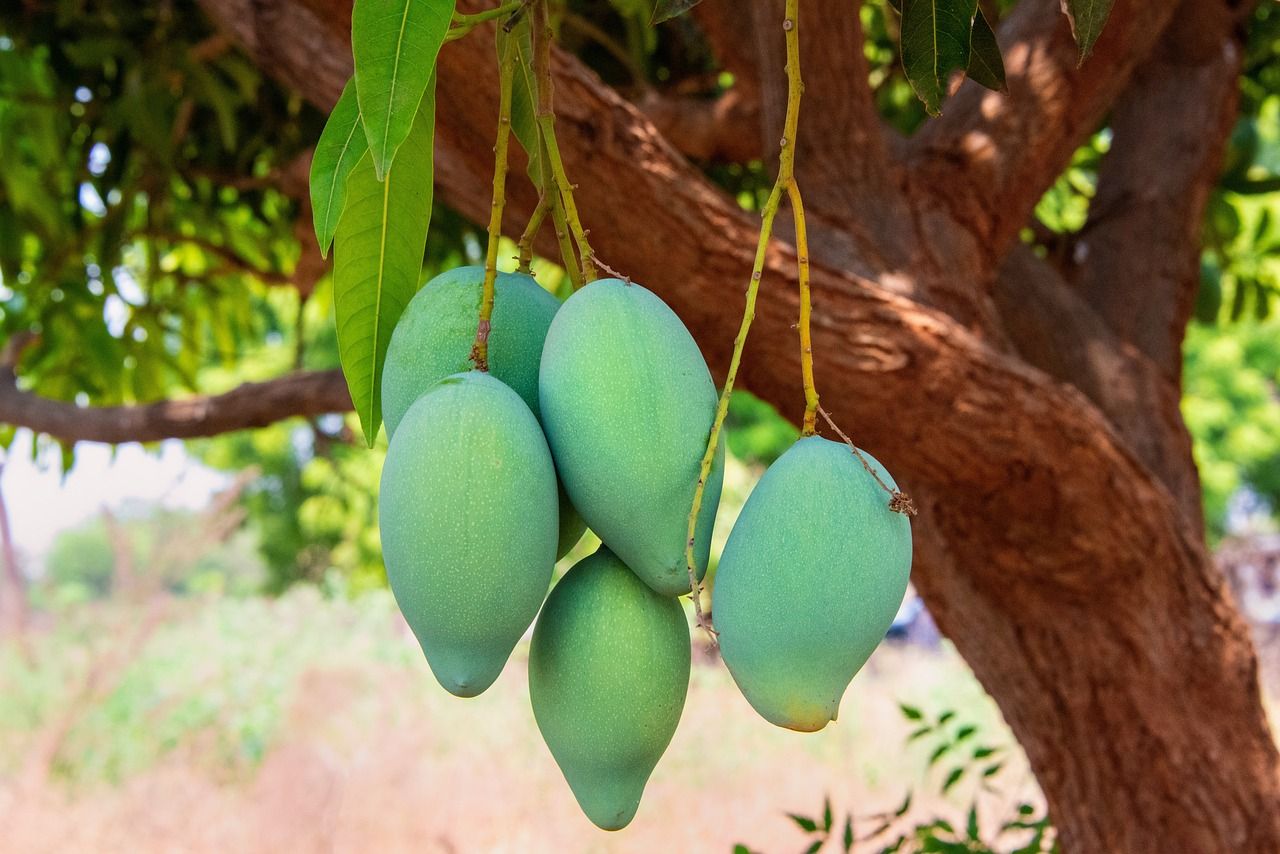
(1054, 547)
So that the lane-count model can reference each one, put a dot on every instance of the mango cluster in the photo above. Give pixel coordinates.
(596, 413)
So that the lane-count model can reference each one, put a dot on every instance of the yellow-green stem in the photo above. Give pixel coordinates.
(463, 24)
(506, 67)
(806, 310)
(524, 260)
(786, 171)
(546, 117)
(567, 255)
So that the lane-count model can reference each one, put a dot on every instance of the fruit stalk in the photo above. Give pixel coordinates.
(506, 71)
(810, 427)
(462, 24)
(525, 259)
(785, 179)
(899, 501)
(566, 242)
(546, 118)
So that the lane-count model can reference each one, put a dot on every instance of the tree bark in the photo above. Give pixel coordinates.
(246, 406)
(1051, 550)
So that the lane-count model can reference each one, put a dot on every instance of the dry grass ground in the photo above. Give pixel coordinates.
(366, 753)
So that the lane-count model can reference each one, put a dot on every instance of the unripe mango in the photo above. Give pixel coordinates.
(627, 405)
(467, 511)
(810, 579)
(434, 336)
(608, 675)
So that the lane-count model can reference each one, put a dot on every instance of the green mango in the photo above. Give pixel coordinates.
(434, 337)
(810, 580)
(467, 511)
(608, 675)
(627, 406)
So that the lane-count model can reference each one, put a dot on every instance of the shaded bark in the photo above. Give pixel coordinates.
(1051, 550)
(999, 153)
(1169, 135)
(1054, 329)
(726, 128)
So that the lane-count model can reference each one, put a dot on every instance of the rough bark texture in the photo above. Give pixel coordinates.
(1027, 409)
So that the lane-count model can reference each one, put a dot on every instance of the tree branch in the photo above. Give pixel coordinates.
(1053, 529)
(246, 406)
(1055, 330)
(723, 129)
(1170, 129)
(1000, 152)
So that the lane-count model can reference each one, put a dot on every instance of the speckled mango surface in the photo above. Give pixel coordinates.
(467, 512)
(810, 580)
(627, 405)
(608, 675)
(434, 337)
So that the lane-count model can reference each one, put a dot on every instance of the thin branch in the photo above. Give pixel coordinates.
(247, 406)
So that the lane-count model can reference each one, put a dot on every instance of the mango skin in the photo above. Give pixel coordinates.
(608, 675)
(627, 405)
(467, 511)
(434, 337)
(810, 580)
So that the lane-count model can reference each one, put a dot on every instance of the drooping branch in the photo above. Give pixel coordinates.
(246, 406)
(1000, 152)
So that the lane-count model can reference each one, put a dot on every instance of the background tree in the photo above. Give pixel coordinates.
(1001, 292)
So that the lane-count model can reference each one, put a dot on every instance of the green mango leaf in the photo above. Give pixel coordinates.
(342, 144)
(665, 10)
(935, 42)
(524, 98)
(1087, 18)
(378, 250)
(395, 44)
(986, 65)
